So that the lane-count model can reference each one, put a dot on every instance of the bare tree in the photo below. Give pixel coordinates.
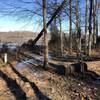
(49, 22)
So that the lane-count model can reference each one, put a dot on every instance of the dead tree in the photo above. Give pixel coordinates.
(45, 35)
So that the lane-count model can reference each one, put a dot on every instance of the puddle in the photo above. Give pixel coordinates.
(37, 60)
(29, 65)
(25, 62)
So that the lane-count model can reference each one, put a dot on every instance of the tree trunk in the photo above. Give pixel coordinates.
(70, 27)
(97, 26)
(78, 31)
(90, 29)
(61, 36)
(86, 26)
(97, 7)
(94, 20)
(45, 35)
(49, 22)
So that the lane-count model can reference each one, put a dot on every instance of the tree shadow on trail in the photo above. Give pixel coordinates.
(14, 87)
(39, 94)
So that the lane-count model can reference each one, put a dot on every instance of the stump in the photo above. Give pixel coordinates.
(76, 68)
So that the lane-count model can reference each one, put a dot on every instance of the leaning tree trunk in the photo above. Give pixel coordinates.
(70, 27)
(86, 27)
(45, 35)
(50, 21)
(90, 29)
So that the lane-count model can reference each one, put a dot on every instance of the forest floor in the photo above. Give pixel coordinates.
(25, 79)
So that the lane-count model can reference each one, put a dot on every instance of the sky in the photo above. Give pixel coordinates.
(20, 21)
(24, 21)
(12, 24)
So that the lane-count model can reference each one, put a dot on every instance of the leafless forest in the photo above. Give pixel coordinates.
(53, 64)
